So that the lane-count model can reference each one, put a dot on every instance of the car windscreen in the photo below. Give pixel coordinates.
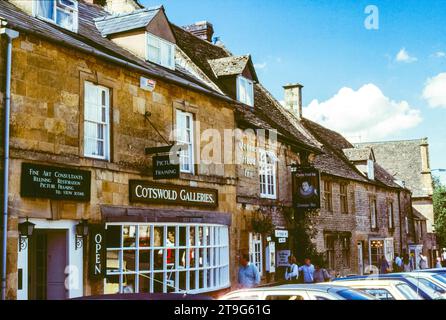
(349, 294)
(408, 292)
(426, 289)
(441, 278)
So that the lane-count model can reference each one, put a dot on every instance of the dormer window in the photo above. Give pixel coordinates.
(371, 169)
(64, 13)
(245, 91)
(160, 51)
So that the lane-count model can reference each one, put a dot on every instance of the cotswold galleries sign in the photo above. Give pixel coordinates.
(148, 192)
(47, 182)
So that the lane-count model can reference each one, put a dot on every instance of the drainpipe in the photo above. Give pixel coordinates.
(11, 35)
(401, 222)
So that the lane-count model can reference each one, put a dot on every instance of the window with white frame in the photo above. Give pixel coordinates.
(185, 136)
(96, 121)
(245, 91)
(370, 169)
(166, 258)
(64, 13)
(160, 51)
(267, 174)
(373, 213)
(390, 214)
(255, 250)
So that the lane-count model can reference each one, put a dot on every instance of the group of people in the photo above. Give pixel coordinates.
(407, 263)
(249, 276)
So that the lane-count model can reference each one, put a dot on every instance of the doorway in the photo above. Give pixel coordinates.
(47, 258)
(360, 258)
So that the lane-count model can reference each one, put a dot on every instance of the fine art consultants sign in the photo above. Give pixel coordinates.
(38, 181)
(149, 192)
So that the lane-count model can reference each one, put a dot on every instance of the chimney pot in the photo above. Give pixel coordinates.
(293, 98)
(202, 29)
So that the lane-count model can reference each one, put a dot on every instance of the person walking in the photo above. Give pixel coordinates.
(308, 271)
(423, 262)
(248, 274)
(321, 274)
(384, 266)
(406, 264)
(438, 265)
(398, 264)
(292, 271)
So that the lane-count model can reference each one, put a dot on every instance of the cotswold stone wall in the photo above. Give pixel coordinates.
(47, 128)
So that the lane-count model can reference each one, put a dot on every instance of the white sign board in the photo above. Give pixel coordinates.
(282, 240)
(281, 233)
(282, 258)
(271, 257)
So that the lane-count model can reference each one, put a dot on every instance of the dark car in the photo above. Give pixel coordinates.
(424, 291)
(147, 297)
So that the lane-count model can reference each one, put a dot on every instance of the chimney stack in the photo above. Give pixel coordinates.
(293, 98)
(202, 29)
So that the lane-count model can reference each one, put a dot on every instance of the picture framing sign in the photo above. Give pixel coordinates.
(149, 192)
(306, 188)
(48, 182)
(163, 168)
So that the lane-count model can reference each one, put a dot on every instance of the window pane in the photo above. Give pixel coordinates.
(64, 19)
(113, 236)
(129, 235)
(144, 236)
(144, 260)
(46, 9)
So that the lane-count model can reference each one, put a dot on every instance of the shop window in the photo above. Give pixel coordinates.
(245, 91)
(160, 51)
(64, 13)
(255, 251)
(328, 200)
(267, 174)
(96, 121)
(185, 136)
(373, 214)
(164, 258)
(330, 251)
(343, 198)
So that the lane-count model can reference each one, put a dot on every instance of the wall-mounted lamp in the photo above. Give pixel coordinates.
(81, 233)
(26, 230)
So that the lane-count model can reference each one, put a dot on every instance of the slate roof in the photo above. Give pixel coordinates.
(266, 112)
(88, 39)
(335, 162)
(117, 23)
(403, 160)
(233, 65)
(358, 154)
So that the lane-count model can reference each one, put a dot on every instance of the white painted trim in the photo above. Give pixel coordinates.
(75, 257)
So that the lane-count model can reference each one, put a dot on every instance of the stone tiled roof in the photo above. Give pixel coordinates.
(88, 39)
(117, 23)
(335, 162)
(358, 154)
(266, 112)
(403, 160)
(233, 65)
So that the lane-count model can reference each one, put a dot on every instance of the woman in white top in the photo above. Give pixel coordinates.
(292, 271)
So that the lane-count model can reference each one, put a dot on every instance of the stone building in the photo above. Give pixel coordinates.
(87, 109)
(408, 162)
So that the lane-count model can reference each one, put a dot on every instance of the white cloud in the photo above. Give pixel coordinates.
(435, 91)
(405, 57)
(363, 115)
(260, 66)
(440, 54)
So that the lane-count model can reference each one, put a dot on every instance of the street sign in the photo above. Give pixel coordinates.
(282, 240)
(281, 233)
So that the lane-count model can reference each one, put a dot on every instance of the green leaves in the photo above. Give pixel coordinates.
(439, 200)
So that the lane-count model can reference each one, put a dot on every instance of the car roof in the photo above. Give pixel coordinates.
(382, 282)
(146, 296)
(311, 287)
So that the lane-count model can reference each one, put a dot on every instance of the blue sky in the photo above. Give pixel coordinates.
(325, 46)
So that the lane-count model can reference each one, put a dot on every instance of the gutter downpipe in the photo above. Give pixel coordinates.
(11, 35)
(401, 222)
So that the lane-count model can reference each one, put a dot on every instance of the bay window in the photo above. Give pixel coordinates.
(166, 258)
(96, 121)
(267, 174)
(64, 13)
(245, 91)
(160, 51)
(185, 136)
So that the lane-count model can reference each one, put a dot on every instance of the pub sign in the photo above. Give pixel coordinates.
(306, 188)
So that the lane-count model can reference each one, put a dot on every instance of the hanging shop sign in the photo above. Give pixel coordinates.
(306, 188)
(98, 253)
(282, 240)
(282, 258)
(163, 168)
(149, 192)
(38, 181)
(281, 233)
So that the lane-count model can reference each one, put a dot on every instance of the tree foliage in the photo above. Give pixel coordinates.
(439, 199)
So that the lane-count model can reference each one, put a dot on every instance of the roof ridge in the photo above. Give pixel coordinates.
(393, 141)
(125, 14)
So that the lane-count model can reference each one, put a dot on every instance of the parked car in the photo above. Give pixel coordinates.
(383, 289)
(424, 291)
(435, 281)
(298, 292)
